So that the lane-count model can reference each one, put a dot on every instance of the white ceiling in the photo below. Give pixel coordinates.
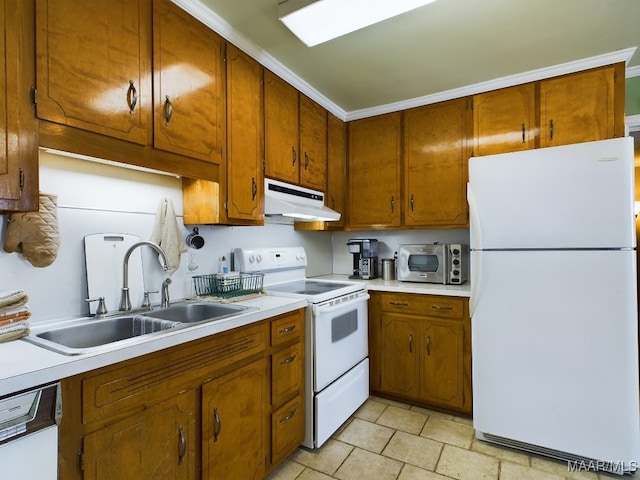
(446, 49)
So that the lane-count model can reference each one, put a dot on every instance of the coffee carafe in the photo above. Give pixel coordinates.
(365, 258)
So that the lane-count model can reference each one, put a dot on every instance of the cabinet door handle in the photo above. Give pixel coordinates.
(393, 203)
(428, 345)
(288, 417)
(132, 97)
(333, 203)
(293, 156)
(168, 111)
(441, 307)
(254, 188)
(550, 129)
(306, 160)
(284, 331)
(217, 427)
(182, 445)
(410, 343)
(523, 133)
(411, 202)
(288, 360)
(399, 304)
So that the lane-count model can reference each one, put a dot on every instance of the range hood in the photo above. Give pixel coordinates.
(299, 203)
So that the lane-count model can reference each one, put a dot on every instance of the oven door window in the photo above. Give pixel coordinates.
(344, 325)
(424, 263)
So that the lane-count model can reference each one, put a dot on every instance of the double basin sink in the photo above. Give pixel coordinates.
(84, 335)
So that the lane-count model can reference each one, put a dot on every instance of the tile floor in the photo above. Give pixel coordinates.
(386, 440)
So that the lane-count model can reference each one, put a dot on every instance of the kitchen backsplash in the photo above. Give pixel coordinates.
(101, 198)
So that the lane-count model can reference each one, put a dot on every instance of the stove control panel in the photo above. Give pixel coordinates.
(266, 259)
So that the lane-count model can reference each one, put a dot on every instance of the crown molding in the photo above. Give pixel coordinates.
(220, 26)
(632, 72)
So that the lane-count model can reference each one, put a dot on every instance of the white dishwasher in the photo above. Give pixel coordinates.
(29, 433)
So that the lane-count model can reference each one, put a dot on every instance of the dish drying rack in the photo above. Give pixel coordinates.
(228, 285)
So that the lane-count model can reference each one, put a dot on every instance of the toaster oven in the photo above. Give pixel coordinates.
(445, 263)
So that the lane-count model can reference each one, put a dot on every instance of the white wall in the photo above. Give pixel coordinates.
(97, 198)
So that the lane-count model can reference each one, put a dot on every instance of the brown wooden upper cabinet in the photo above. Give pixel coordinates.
(188, 85)
(141, 71)
(295, 135)
(504, 120)
(436, 155)
(18, 123)
(336, 169)
(579, 107)
(375, 146)
(582, 107)
(94, 66)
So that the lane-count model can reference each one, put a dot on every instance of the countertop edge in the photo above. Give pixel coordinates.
(381, 285)
(25, 365)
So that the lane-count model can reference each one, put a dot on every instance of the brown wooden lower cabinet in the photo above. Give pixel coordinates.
(420, 349)
(230, 406)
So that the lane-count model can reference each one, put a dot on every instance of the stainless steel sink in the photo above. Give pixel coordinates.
(196, 312)
(75, 337)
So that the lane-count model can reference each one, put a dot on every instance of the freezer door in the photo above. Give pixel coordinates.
(573, 196)
(555, 351)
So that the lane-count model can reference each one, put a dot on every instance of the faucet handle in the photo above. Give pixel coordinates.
(101, 311)
(146, 303)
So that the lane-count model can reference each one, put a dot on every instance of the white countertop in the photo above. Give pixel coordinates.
(24, 365)
(378, 284)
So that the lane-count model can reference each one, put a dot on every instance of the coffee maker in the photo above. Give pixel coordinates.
(365, 258)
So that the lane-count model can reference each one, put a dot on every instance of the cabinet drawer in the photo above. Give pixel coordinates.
(431, 305)
(286, 373)
(287, 328)
(287, 429)
(135, 384)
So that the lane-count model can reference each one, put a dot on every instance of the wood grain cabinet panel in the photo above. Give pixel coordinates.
(420, 349)
(436, 154)
(94, 66)
(281, 129)
(18, 122)
(188, 85)
(313, 145)
(505, 120)
(581, 107)
(375, 146)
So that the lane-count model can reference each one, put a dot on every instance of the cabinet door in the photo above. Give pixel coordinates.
(94, 66)
(442, 372)
(18, 123)
(436, 156)
(374, 172)
(157, 443)
(578, 108)
(504, 120)
(337, 169)
(313, 144)
(234, 424)
(281, 129)
(400, 356)
(245, 134)
(189, 92)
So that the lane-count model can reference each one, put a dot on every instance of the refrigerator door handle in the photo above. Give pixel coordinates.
(476, 275)
(475, 230)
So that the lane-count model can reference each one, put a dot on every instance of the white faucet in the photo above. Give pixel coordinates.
(125, 299)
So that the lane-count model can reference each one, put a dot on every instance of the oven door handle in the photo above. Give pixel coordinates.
(328, 309)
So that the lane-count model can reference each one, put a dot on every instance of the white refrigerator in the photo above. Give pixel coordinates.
(553, 303)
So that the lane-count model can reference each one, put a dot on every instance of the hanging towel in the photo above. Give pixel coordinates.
(167, 234)
(35, 234)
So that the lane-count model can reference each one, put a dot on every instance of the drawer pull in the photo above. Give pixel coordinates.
(288, 417)
(288, 360)
(218, 425)
(132, 97)
(399, 304)
(284, 331)
(441, 307)
(182, 445)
